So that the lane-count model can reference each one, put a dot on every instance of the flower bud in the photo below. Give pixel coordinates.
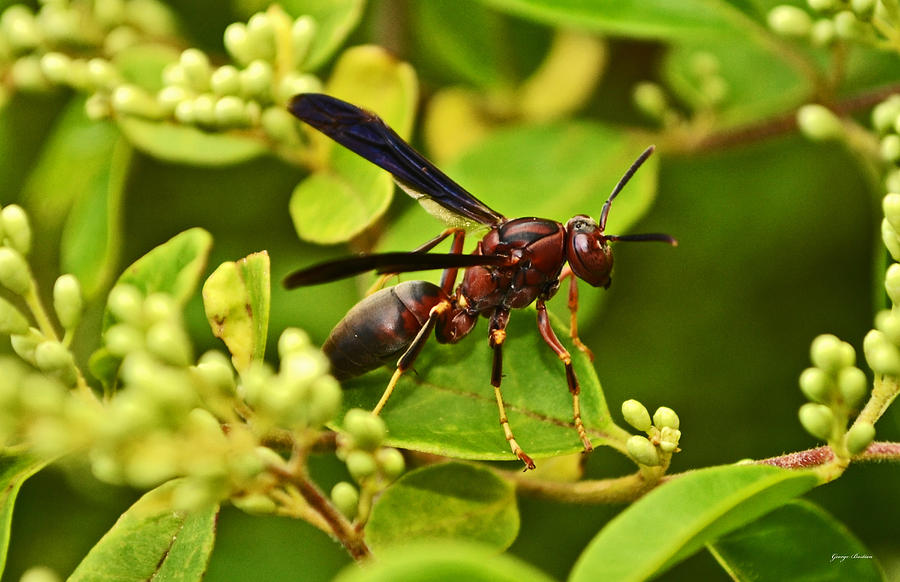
(789, 20)
(817, 419)
(883, 356)
(197, 71)
(346, 498)
(892, 283)
(831, 354)
(816, 384)
(51, 355)
(294, 84)
(256, 80)
(846, 25)
(97, 107)
(67, 301)
(125, 302)
(885, 114)
(25, 344)
(863, 8)
(11, 319)
(636, 415)
(215, 369)
(303, 32)
(890, 147)
(237, 44)
(853, 384)
(668, 439)
(161, 308)
(818, 123)
(20, 29)
(120, 38)
(255, 504)
(665, 417)
(109, 12)
(169, 97)
(891, 239)
(132, 100)
(391, 462)
(14, 272)
(859, 437)
(292, 340)
(261, 36)
(40, 574)
(225, 80)
(642, 450)
(231, 111)
(55, 67)
(102, 74)
(16, 230)
(204, 110)
(823, 33)
(121, 339)
(173, 75)
(650, 99)
(325, 400)
(888, 323)
(891, 207)
(360, 464)
(184, 112)
(367, 429)
(169, 342)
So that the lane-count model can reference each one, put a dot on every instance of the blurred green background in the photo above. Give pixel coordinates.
(778, 243)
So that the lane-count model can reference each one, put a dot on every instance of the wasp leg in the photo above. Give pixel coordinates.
(497, 337)
(563, 354)
(412, 352)
(573, 309)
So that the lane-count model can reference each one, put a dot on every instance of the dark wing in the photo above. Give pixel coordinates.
(385, 263)
(368, 136)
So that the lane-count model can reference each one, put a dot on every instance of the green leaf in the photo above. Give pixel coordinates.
(335, 20)
(236, 298)
(74, 164)
(677, 519)
(188, 145)
(447, 561)
(152, 541)
(91, 237)
(446, 405)
(445, 501)
(661, 19)
(14, 470)
(552, 171)
(346, 193)
(143, 64)
(741, 65)
(798, 541)
(174, 267)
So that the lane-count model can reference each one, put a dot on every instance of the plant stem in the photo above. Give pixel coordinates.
(617, 490)
(885, 390)
(338, 525)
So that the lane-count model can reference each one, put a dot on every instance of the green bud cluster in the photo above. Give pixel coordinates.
(710, 89)
(370, 464)
(270, 54)
(67, 27)
(663, 434)
(836, 387)
(301, 395)
(829, 22)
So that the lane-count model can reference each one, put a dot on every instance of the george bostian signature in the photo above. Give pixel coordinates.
(842, 557)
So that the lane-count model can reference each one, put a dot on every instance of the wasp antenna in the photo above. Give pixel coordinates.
(622, 181)
(651, 236)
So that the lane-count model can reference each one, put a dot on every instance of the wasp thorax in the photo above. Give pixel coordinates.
(589, 256)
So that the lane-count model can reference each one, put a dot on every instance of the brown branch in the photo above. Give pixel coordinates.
(781, 124)
(340, 527)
